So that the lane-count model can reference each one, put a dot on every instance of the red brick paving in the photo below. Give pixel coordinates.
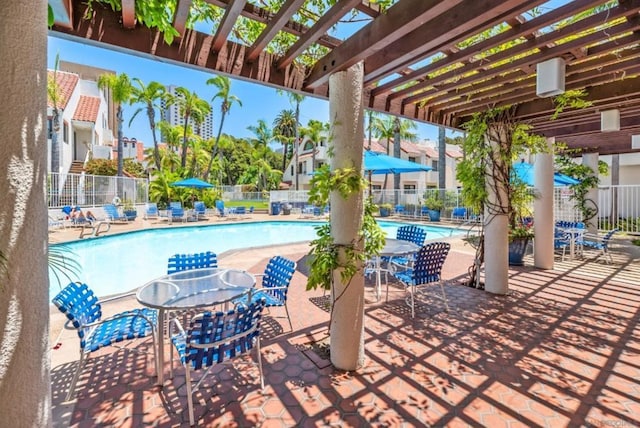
(561, 350)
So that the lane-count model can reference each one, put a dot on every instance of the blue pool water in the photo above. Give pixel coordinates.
(119, 263)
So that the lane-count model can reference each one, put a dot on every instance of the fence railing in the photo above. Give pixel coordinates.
(94, 190)
(617, 206)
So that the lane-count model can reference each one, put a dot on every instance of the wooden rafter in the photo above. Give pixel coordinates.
(400, 20)
(128, 13)
(286, 11)
(231, 14)
(338, 10)
(181, 15)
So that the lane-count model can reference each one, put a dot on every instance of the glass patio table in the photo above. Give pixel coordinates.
(392, 248)
(192, 289)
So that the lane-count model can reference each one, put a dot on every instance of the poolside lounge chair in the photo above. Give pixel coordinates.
(151, 211)
(275, 284)
(84, 310)
(459, 214)
(200, 210)
(427, 269)
(177, 212)
(213, 338)
(55, 224)
(112, 214)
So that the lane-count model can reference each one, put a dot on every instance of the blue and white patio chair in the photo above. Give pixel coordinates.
(600, 243)
(84, 310)
(181, 262)
(151, 211)
(426, 270)
(459, 214)
(112, 214)
(177, 212)
(214, 338)
(561, 241)
(200, 210)
(410, 233)
(275, 284)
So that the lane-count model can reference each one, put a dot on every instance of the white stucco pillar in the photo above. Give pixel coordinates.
(591, 160)
(496, 236)
(25, 397)
(543, 209)
(347, 122)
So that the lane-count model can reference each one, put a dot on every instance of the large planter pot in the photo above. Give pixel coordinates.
(385, 212)
(434, 215)
(517, 250)
(130, 214)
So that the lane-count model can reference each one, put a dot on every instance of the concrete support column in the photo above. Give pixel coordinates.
(543, 209)
(591, 160)
(496, 233)
(25, 386)
(347, 122)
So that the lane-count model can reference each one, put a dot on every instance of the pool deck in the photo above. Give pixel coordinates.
(562, 349)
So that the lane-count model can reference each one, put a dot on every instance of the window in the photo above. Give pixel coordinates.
(49, 128)
(65, 132)
(413, 159)
(292, 170)
(410, 189)
(434, 165)
(308, 146)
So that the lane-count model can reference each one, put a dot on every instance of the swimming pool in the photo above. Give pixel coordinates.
(119, 263)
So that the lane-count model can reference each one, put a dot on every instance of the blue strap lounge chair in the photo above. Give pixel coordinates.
(275, 284)
(84, 310)
(177, 212)
(600, 243)
(200, 210)
(427, 269)
(213, 338)
(151, 211)
(112, 214)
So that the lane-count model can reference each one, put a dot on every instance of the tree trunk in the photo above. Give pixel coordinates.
(442, 162)
(397, 150)
(120, 142)
(25, 385)
(297, 142)
(151, 114)
(214, 150)
(347, 320)
(183, 155)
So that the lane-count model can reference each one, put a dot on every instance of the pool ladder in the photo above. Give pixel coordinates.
(95, 230)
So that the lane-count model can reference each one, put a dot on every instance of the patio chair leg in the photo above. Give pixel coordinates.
(413, 304)
(444, 296)
(286, 308)
(260, 362)
(189, 394)
(76, 375)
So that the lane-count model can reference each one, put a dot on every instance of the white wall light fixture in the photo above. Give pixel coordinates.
(550, 77)
(635, 141)
(610, 120)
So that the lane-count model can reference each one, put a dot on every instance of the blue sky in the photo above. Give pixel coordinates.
(258, 101)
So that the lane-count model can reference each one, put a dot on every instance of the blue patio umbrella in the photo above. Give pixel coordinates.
(379, 163)
(524, 171)
(194, 183)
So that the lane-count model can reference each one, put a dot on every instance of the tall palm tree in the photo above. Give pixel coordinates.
(150, 96)
(55, 98)
(314, 131)
(226, 101)
(121, 91)
(284, 129)
(173, 138)
(296, 99)
(193, 109)
(263, 134)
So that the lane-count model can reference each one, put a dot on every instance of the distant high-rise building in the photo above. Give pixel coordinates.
(171, 114)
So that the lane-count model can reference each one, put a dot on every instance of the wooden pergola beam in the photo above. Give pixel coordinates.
(341, 8)
(181, 15)
(227, 22)
(400, 20)
(129, 13)
(275, 24)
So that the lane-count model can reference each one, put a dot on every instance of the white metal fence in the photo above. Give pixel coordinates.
(94, 190)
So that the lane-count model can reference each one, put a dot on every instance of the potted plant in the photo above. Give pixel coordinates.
(434, 205)
(129, 210)
(385, 210)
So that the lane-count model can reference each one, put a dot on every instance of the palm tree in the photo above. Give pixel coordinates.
(55, 98)
(387, 127)
(149, 95)
(173, 138)
(314, 131)
(262, 132)
(284, 129)
(295, 98)
(224, 87)
(121, 91)
(192, 109)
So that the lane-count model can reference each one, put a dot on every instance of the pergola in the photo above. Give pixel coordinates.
(431, 61)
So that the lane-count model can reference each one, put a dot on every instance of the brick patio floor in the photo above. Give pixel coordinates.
(562, 349)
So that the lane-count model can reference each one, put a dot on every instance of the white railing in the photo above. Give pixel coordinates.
(94, 190)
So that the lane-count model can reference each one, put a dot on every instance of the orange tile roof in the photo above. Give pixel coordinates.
(452, 153)
(87, 110)
(67, 83)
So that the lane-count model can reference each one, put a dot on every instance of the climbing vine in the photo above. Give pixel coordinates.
(326, 255)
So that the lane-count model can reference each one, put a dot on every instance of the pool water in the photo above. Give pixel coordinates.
(120, 263)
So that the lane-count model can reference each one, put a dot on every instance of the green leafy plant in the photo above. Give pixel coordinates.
(63, 263)
(325, 253)
(434, 203)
